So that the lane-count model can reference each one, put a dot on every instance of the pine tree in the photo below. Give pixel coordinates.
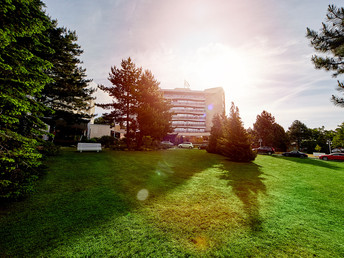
(235, 143)
(216, 133)
(23, 45)
(330, 40)
(124, 90)
(68, 95)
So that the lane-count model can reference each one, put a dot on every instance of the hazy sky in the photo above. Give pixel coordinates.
(256, 50)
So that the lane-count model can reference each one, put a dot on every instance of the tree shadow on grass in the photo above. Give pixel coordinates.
(247, 183)
(311, 161)
(83, 191)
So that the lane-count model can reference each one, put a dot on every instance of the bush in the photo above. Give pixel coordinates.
(107, 141)
(48, 148)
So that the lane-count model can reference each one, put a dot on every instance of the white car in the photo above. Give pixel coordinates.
(186, 145)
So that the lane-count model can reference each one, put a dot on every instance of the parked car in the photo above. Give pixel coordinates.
(186, 145)
(295, 154)
(338, 150)
(167, 144)
(333, 156)
(265, 150)
(203, 146)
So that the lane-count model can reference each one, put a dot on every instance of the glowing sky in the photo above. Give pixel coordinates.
(256, 50)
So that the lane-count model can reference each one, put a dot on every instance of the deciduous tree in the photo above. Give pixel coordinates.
(298, 132)
(153, 111)
(23, 44)
(338, 139)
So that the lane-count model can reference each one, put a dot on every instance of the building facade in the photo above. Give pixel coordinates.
(193, 111)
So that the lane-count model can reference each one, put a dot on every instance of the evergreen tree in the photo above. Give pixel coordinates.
(23, 44)
(68, 95)
(330, 40)
(235, 143)
(153, 112)
(216, 133)
(124, 90)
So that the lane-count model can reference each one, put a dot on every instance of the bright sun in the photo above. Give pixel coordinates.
(218, 65)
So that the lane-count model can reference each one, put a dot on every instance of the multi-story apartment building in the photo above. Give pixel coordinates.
(193, 110)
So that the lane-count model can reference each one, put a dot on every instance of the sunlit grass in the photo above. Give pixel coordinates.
(178, 203)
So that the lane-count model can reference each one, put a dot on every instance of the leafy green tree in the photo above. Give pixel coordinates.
(298, 132)
(124, 88)
(338, 139)
(153, 111)
(235, 142)
(330, 40)
(23, 44)
(216, 133)
(280, 140)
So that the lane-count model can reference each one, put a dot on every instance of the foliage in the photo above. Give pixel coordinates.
(269, 132)
(68, 96)
(48, 148)
(235, 142)
(263, 129)
(298, 132)
(101, 120)
(338, 139)
(281, 140)
(24, 46)
(216, 133)
(138, 103)
(153, 112)
(317, 148)
(124, 82)
(107, 141)
(330, 40)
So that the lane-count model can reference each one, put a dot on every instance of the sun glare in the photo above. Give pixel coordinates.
(218, 65)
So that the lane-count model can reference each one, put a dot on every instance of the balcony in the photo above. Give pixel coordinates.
(188, 104)
(187, 118)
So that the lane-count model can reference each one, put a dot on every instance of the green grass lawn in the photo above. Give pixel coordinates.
(176, 203)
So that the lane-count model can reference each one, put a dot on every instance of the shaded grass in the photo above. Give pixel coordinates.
(197, 204)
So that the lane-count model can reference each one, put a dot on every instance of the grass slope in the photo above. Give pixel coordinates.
(178, 203)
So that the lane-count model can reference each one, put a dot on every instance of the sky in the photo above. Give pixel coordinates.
(256, 50)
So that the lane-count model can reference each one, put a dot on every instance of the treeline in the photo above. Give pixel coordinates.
(266, 132)
(41, 82)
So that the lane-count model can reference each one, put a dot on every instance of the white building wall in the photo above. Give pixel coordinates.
(98, 130)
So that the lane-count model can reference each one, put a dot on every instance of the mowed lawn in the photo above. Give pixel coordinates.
(177, 203)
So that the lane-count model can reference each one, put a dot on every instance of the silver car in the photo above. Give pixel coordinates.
(186, 145)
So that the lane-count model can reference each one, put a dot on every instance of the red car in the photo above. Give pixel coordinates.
(333, 156)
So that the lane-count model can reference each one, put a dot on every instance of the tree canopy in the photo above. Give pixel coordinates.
(23, 45)
(269, 132)
(330, 39)
(68, 95)
(39, 73)
(138, 103)
(229, 138)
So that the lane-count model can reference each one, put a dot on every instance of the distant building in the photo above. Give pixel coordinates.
(99, 130)
(194, 110)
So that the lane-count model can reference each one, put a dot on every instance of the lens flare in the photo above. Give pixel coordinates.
(142, 194)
